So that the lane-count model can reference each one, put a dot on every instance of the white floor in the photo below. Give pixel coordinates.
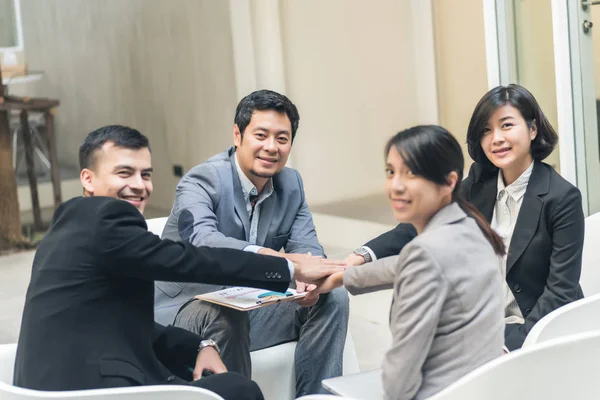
(368, 313)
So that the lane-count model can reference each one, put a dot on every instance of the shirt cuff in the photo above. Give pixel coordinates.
(373, 256)
(291, 267)
(253, 248)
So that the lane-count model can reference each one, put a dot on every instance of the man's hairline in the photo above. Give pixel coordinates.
(92, 164)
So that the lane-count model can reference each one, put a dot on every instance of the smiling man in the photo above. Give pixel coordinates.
(88, 320)
(245, 198)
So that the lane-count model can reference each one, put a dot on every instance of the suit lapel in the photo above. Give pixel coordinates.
(267, 209)
(483, 196)
(238, 198)
(529, 214)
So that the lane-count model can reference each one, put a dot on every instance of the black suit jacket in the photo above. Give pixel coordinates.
(544, 259)
(88, 320)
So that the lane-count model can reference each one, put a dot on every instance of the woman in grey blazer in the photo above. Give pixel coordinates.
(447, 314)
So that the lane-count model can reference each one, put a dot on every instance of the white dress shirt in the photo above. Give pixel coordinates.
(506, 211)
(248, 189)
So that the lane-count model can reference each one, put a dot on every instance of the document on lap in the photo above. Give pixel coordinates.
(245, 298)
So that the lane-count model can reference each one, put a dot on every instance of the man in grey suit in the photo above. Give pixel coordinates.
(245, 198)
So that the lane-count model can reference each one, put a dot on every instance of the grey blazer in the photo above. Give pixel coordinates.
(210, 210)
(447, 314)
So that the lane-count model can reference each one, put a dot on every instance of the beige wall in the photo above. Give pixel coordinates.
(167, 68)
(349, 69)
(535, 58)
(460, 63)
(163, 67)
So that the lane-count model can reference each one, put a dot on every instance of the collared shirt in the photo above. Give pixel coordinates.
(248, 189)
(506, 211)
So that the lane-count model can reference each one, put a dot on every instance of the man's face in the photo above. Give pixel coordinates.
(265, 146)
(120, 173)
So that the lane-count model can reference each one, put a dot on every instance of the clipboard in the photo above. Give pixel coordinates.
(246, 299)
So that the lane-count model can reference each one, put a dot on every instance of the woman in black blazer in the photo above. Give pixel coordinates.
(536, 211)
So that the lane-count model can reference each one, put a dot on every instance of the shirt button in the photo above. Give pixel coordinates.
(527, 312)
(171, 378)
(517, 288)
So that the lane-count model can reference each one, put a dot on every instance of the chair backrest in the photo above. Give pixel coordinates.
(565, 368)
(590, 266)
(156, 225)
(164, 392)
(574, 318)
(323, 397)
(7, 362)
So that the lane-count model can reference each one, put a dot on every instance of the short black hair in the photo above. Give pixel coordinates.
(121, 136)
(265, 100)
(521, 99)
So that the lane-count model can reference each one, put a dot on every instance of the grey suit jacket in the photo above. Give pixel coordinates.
(447, 315)
(210, 210)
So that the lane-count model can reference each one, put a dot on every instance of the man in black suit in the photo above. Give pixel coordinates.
(88, 320)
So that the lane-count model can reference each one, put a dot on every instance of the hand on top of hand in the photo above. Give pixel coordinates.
(310, 269)
(326, 285)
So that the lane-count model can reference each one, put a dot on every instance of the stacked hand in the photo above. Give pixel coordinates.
(313, 273)
(331, 282)
(309, 269)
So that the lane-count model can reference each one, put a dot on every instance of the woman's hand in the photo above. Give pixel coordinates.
(329, 283)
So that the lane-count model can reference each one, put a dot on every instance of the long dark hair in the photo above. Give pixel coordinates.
(521, 99)
(432, 152)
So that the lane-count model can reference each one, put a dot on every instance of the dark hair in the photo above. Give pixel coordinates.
(121, 136)
(265, 100)
(521, 99)
(431, 152)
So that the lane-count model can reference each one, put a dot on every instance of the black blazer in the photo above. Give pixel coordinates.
(88, 320)
(544, 259)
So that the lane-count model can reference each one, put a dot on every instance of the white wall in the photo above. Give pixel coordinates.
(349, 69)
(163, 67)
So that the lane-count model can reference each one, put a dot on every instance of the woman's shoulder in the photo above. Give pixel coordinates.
(446, 239)
(559, 187)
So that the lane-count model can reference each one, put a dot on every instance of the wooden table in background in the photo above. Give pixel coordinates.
(46, 106)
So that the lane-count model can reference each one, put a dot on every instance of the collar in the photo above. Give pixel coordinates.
(447, 215)
(516, 190)
(248, 187)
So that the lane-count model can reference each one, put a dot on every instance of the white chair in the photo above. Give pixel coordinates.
(565, 368)
(323, 397)
(156, 225)
(577, 317)
(274, 371)
(163, 392)
(273, 368)
(590, 266)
